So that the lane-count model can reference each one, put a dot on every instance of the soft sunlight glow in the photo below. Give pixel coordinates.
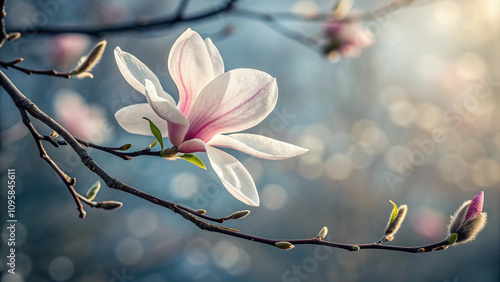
(61, 268)
(274, 196)
(129, 251)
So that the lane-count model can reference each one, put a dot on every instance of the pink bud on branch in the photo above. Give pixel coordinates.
(468, 220)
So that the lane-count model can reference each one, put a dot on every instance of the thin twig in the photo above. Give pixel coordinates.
(384, 11)
(90, 203)
(124, 155)
(181, 9)
(68, 181)
(273, 23)
(213, 219)
(286, 16)
(53, 141)
(111, 150)
(3, 33)
(13, 64)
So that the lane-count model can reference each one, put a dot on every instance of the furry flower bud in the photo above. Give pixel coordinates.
(88, 62)
(468, 220)
(395, 222)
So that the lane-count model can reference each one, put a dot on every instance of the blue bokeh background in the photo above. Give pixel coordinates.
(368, 123)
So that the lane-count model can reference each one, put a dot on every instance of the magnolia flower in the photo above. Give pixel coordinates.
(468, 220)
(211, 102)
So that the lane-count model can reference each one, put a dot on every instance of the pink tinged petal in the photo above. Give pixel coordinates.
(233, 101)
(215, 57)
(177, 122)
(257, 145)
(135, 73)
(130, 119)
(475, 207)
(190, 66)
(192, 146)
(234, 176)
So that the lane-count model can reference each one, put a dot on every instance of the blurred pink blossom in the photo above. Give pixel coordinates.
(429, 223)
(65, 50)
(113, 12)
(84, 121)
(346, 37)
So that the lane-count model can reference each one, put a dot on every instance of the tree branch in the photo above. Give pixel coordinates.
(25, 105)
(382, 12)
(137, 26)
(68, 181)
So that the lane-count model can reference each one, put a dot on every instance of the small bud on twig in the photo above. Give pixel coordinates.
(110, 205)
(395, 221)
(54, 135)
(284, 245)
(239, 214)
(16, 61)
(322, 233)
(355, 248)
(126, 147)
(88, 62)
(13, 36)
(468, 220)
(200, 211)
(441, 248)
(94, 189)
(83, 213)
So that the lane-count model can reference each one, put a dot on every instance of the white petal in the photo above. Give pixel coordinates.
(177, 122)
(130, 119)
(233, 101)
(135, 73)
(215, 57)
(234, 176)
(190, 66)
(257, 145)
